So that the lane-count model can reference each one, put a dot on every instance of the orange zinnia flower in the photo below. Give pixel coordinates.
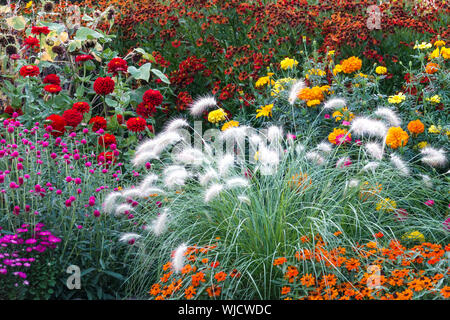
(221, 276)
(213, 291)
(279, 261)
(285, 290)
(431, 68)
(190, 292)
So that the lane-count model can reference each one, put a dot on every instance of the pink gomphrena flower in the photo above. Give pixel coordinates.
(88, 164)
(85, 130)
(446, 224)
(100, 131)
(327, 116)
(59, 191)
(429, 203)
(96, 213)
(76, 156)
(148, 165)
(77, 180)
(69, 179)
(113, 146)
(91, 201)
(72, 134)
(79, 227)
(83, 141)
(79, 191)
(116, 153)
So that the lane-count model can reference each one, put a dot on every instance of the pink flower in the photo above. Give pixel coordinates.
(326, 116)
(429, 203)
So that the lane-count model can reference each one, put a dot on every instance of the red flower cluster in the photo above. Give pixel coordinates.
(81, 107)
(153, 97)
(52, 79)
(52, 88)
(98, 123)
(106, 140)
(29, 71)
(183, 100)
(84, 58)
(145, 110)
(73, 117)
(104, 86)
(117, 65)
(31, 42)
(40, 30)
(137, 124)
(58, 124)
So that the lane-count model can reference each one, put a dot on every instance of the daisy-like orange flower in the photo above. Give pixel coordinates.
(307, 280)
(214, 291)
(221, 276)
(279, 261)
(285, 290)
(445, 291)
(190, 292)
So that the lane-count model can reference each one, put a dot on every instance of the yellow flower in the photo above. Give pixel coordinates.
(422, 144)
(434, 129)
(332, 137)
(423, 45)
(217, 115)
(381, 70)
(434, 99)
(331, 52)
(439, 43)
(414, 235)
(337, 69)
(263, 81)
(29, 4)
(278, 86)
(288, 63)
(396, 137)
(434, 54)
(387, 205)
(316, 72)
(312, 103)
(445, 53)
(230, 124)
(256, 156)
(265, 111)
(398, 98)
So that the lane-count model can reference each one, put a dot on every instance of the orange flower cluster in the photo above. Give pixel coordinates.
(375, 272)
(197, 273)
(416, 127)
(396, 137)
(313, 96)
(351, 64)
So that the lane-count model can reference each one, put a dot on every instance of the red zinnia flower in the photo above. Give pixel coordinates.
(29, 71)
(83, 58)
(40, 30)
(106, 140)
(116, 65)
(73, 117)
(153, 97)
(10, 110)
(31, 42)
(104, 86)
(105, 157)
(58, 124)
(145, 110)
(137, 124)
(120, 119)
(52, 79)
(98, 123)
(176, 43)
(81, 107)
(52, 88)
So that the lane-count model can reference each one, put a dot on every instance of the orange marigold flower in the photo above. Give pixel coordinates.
(279, 261)
(431, 68)
(291, 273)
(186, 269)
(156, 288)
(197, 278)
(337, 136)
(351, 64)
(416, 127)
(221, 276)
(167, 266)
(396, 137)
(309, 94)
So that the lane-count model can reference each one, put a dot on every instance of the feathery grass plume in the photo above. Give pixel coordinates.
(426, 180)
(190, 156)
(371, 166)
(225, 164)
(166, 139)
(237, 133)
(110, 201)
(389, 115)
(159, 224)
(299, 148)
(124, 207)
(274, 134)
(176, 124)
(325, 147)
(294, 91)
(400, 165)
(334, 103)
(148, 181)
(146, 145)
(375, 150)
(433, 157)
(209, 175)
(315, 157)
(178, 258)
(151, 190)
(132, 193)
(142, 158)
(202, 104)
(268, 157)
(213, 191)
(343, 162)
(244, 199)
(363, 126)
(126, 237)
(236, 182)
(255, 140)
(175, 176)
(353, 183)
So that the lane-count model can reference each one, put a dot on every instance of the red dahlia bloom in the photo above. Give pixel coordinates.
(52, 79)
(29, 71)
(81, 107)
(40, 30)
(58, 124)
(104, 86)
(106, 140)
(116, 65)
(83, 58)
(145, 110)
(137, 124)
(31, 42)
(52, 88)
(153, 97)
(73, 117)
(98, 123)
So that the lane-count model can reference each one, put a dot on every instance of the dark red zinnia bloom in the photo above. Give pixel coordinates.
(153, 97)
(58, 124)
(98, 123)
(52, 79)
(106, 140)
(31, 42)
(145, 110)
(73, 117)
(40, 30)
(52, 88)
(29, 71)
(81, 107)
(137, 124)
(83, 58)
(10, 110)
(104, 86)
(117, 65)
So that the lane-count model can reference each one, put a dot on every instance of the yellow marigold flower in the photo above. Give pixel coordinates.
(265, 111)
(312, 103)
(314, 93)
(398, 98)
(351, 64)
(423, 45)
(339, 115)
(435, 99)
(414, 235)
(217, 115)
(381, 70)
(337, 69)
(278, 86)
(288, 63)
(325, 88)
(434, 54)
(338, 132)
(439, 43)
(387, 205)
(416, 127)
(422, 144)
(316, 72)
(445, 53)
(396, 137)
(362, 75)
(230, 124)
(331, 52)
(29, 4)
(434, 129)
(263, 81)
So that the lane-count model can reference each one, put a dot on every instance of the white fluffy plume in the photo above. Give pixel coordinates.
(274, 134)
(124, 207)
(433, 157)
(175, 176)
(202, 104)
(236, 182)
(295, 90)
(132, 193)
(315, 157)
(371, 166)
(325, 147)
(176, 124)
(366, 127)
(389, 115)
(209, 175)
(400, 165)
(427, 180)
(225, 164)
(375, 150)
(110, 201)
(191, 156)
(148, 181)
(159, 224)
(129, 236)
(178, 258)
(335, 103)
(212, 192)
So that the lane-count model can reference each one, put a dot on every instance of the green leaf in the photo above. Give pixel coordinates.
(17, 22)
(110, 102)
(161, 75)
(74, 45)
(85, 33)
(143, 73)
(145, 55)
(115, 275)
